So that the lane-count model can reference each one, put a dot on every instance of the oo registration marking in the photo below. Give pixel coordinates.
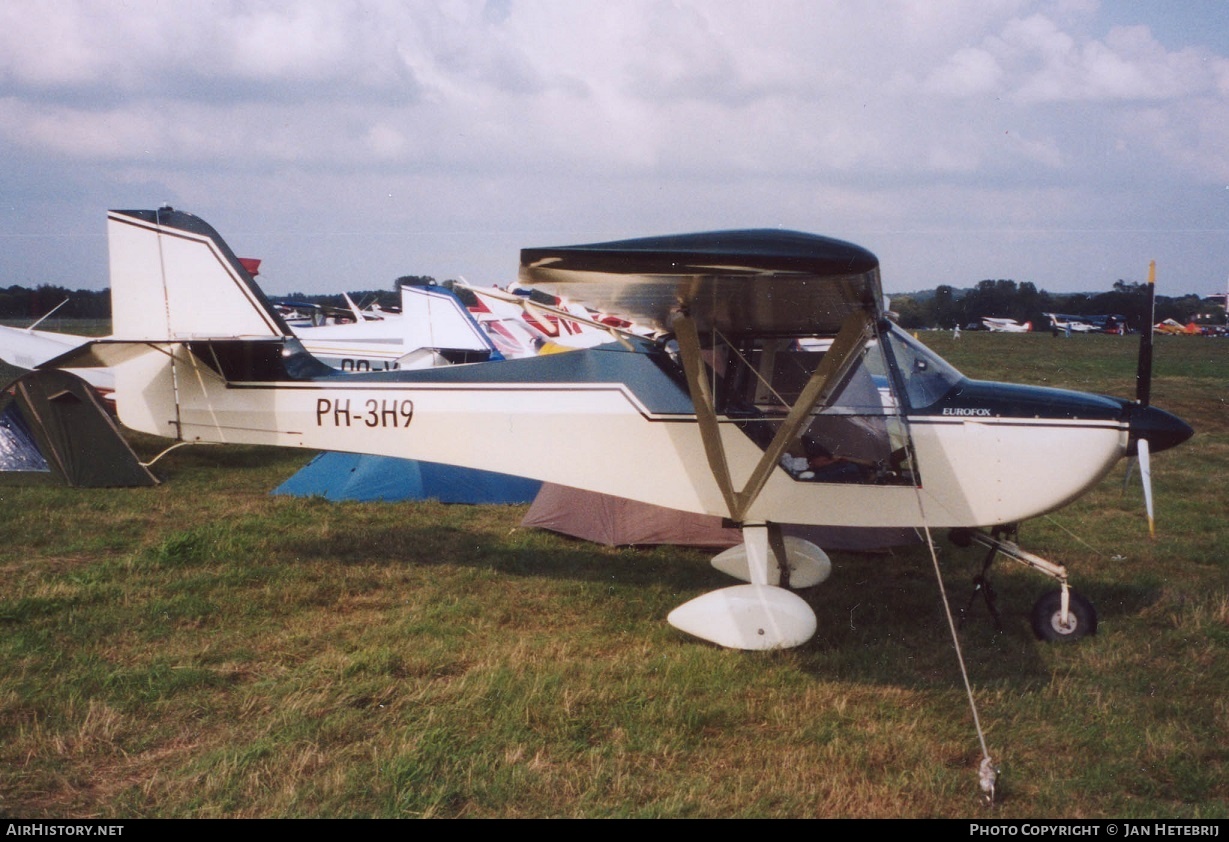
(385, 412)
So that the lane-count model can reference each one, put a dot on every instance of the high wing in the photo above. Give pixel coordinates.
(736, 289)
(764, 282)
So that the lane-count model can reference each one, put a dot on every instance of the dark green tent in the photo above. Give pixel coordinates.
(54, 430)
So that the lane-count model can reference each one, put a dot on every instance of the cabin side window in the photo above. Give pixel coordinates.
(857, 437)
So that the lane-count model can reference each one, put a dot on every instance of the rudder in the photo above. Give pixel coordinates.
(174, 277)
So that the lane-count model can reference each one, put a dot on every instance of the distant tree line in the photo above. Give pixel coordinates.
(23, 303)
(387, 299)
(18, 302)
(947, 307)
(362, 297)
(944, 307)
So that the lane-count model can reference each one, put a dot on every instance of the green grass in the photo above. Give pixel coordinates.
(204, 649)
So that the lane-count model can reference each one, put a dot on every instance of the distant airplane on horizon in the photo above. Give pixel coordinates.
(1006, 325)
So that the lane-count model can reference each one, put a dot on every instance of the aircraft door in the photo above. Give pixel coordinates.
(857, 437)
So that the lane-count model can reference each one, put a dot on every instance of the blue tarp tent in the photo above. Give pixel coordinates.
(353, 476)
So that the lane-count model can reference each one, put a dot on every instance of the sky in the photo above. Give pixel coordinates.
(1062, 143)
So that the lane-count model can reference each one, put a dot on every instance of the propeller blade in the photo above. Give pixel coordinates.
(1143, 394)
(1143, 374)
(1145, 475)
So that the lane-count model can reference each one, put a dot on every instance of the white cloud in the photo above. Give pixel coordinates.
(970, 71)
(385, 141)
(620, 115)
(1046, 64)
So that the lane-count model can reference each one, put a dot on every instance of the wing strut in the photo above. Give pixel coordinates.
(837, 363)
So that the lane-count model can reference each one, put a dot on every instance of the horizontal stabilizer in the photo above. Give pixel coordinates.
(105, 353)
(236, 360)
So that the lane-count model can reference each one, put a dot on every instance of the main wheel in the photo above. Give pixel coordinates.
(1048, 617)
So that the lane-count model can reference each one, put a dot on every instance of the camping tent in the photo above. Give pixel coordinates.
(54, 430)
(354, 476)
(615, 521)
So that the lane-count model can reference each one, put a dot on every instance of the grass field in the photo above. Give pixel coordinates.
(202, 649)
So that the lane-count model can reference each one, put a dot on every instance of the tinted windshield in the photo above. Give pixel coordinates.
(927, 377)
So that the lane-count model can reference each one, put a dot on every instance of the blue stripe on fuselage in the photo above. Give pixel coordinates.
(644, 373)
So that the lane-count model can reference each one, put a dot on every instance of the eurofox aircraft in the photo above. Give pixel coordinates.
(735, 411)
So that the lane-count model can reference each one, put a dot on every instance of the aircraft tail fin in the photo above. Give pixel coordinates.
(435, 314)
(174, 278)
(184, 312)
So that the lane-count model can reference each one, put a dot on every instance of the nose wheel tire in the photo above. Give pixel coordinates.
(1048, 622)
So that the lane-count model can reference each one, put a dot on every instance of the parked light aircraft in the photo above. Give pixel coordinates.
(433, 328)
(28, 348)
(1173, 327)
(1087, 324)
(1006, 325)
(727, 413)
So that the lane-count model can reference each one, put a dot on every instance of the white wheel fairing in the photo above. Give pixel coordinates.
(808, 564)
(751, 617)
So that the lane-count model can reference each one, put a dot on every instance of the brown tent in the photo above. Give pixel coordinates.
(615, 521)
(54, 430)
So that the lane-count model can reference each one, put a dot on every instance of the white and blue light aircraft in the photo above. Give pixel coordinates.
(733, 410)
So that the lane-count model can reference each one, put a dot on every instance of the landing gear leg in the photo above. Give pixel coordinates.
(1057, 615)
(983, 588)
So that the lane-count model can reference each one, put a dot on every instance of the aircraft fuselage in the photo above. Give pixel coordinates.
(618, 422)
